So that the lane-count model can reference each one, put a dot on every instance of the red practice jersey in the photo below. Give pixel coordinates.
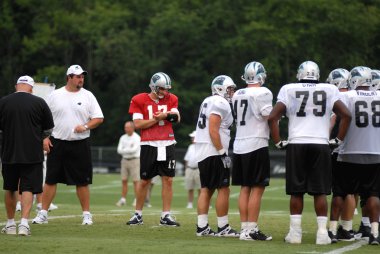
(143, 104)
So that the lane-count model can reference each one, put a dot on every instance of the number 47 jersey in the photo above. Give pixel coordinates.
(308, 107)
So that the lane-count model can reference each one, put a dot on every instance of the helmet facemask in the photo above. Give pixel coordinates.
(375, 84)
(223, 86)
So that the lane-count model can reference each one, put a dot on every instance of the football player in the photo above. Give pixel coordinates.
(212, 139)
(342, 203)
(154, 113)
(308, 104)
(360, 151)
(251, 168)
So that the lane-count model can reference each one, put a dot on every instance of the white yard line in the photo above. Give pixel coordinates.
(350, 247)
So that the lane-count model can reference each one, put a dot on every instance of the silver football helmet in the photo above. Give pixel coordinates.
(224, 86)
(339, 78)
(160, 80)
(308, 71)
(254, 72)
(375, 85)
(360, 76)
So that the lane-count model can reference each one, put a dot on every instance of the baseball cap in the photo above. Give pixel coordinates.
(25, 80)
(76, 70)
(192, 135)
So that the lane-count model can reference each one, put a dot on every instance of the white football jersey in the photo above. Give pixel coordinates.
(212, 105)
(308, 107)
(252, 130)
(363, 136)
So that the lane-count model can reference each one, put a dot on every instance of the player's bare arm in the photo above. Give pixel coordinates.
(342, 111)
(278, 111)
(215, 121)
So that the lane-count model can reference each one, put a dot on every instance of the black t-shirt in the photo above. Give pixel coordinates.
(23, 118)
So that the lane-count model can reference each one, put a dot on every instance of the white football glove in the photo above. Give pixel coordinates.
(226, 160)
(334, 143)
(282, 144)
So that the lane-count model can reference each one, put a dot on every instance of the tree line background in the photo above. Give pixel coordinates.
(122, 43)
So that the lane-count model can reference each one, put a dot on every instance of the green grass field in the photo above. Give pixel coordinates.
(109, 234)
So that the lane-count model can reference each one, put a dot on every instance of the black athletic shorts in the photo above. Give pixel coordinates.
(69, 162)
(365, 179)
(150, 166)
(29, 176)
(213, 174)
(308, 169)
(251, 169)
(345, 180)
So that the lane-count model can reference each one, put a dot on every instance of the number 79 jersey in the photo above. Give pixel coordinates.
(363, 136)
(308, 107)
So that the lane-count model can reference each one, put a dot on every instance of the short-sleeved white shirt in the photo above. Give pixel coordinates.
(70, 109)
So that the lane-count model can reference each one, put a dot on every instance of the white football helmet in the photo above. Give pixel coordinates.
(375, 85)
(224, 86)
(254, 72)
(160, 80)
(360, 76)
(339, 78)
(308, 71)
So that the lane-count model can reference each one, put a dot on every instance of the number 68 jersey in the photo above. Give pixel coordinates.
(308, 107)
(363, 136)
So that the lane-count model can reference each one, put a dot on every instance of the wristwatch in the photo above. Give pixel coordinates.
(85, 126)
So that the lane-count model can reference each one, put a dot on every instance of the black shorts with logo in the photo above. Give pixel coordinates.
(69, 162)
(150, 166)
(213, 174)
(251, 169)
(29, 176)
(308, 169)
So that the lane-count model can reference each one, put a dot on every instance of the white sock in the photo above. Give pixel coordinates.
(347, 225)
(295, 222)
(139, 212)
(333, 226)
(252, 226)
(222, 221)
(39, 205)
(11, 222)
(44, 212)
(322, 223)
(86, 212)
(164, 213)
(202, 220)
(24, 222)
(244, 225)
(375, 229)
(366, 222)
(122, 199)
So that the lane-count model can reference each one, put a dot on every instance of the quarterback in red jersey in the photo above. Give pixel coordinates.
(154, 113)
